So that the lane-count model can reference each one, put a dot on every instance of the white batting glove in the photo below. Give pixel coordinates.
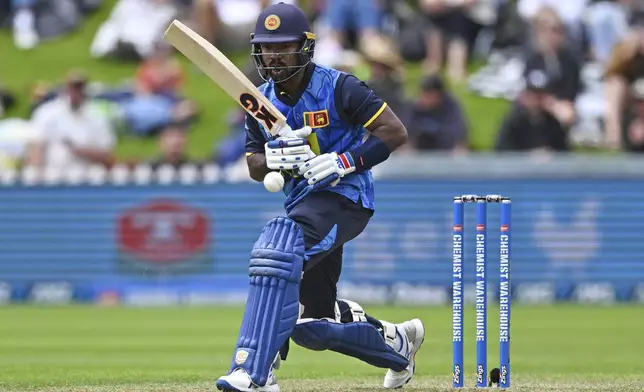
(289, 152)
(326, 165)
(288, 133)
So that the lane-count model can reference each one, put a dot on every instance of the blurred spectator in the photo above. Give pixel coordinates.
(172, 148)
(531, 124)
(626, 65)
(509, 29)
(633, 134)
(232, 148)
(39, 94)
(229, 23)
(25, 35)
(16, 135)
(160, 73)
(154, 100)
(39, 20)
(72, 131)
(551, 55)
(570, 13)
(457, 24)
(436, 121)
(607, 24)
(341, 18)
(386, 72)
(133, 28)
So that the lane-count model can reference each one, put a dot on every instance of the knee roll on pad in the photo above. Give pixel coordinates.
(353, 333)
(272, 306)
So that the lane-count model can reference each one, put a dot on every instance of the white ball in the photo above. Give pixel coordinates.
(273, 182)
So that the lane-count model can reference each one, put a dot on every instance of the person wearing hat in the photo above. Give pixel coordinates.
(386, 71)
(337, 130)
(436, 120)
(531, 125)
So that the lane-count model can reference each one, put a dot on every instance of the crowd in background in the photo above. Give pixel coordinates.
(573, 71)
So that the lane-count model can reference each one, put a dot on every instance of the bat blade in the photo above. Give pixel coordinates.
(225, 74)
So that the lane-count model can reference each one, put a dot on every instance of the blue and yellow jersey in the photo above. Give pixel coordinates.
(338, 107)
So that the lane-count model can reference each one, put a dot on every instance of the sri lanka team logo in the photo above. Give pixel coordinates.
(272, 22)
(319, 119)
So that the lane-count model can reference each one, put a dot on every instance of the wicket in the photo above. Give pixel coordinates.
(499, 376)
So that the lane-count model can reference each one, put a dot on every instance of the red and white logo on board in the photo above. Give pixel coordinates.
(164, 235)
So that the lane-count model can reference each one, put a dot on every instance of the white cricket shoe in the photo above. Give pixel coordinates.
(239, 381)
(414, 332)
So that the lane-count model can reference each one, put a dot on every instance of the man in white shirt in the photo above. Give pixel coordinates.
(72, 131)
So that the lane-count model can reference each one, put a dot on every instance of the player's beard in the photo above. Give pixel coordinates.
(280, 74)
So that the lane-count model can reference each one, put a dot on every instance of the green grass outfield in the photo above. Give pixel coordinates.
(558, 348)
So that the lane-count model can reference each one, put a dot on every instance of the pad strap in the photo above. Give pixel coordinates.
(347, 311)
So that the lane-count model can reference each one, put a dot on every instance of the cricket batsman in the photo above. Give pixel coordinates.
(325, 156)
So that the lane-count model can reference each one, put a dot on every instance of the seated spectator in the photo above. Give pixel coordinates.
(25, 35)
(551, 55)
(532, 123)
(456, 23)
(172, 148)
(571, 13)
(633, 132)
(626, 65)
(229, 23)
(160, 73)
(16, 135)
(436, 121)
(386, 72)
(133, 28)
(40, 20)
(72, 130)
(154, 100)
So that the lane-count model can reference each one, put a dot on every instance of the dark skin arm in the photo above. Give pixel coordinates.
(389, 129)
(257, 166)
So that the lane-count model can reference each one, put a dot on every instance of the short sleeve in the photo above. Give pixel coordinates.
(254, 136)
(358, 103)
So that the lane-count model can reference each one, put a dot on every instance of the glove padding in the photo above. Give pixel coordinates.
(326, 165)
(289, 152)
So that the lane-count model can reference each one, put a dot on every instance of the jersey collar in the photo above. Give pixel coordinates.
(291, 100)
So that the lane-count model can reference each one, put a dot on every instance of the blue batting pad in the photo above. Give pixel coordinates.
(272, 307)
(357, 339)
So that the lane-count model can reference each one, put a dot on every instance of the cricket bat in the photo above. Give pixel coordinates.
(225, 74)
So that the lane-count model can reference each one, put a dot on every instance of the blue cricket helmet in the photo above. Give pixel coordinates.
(282, 23)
